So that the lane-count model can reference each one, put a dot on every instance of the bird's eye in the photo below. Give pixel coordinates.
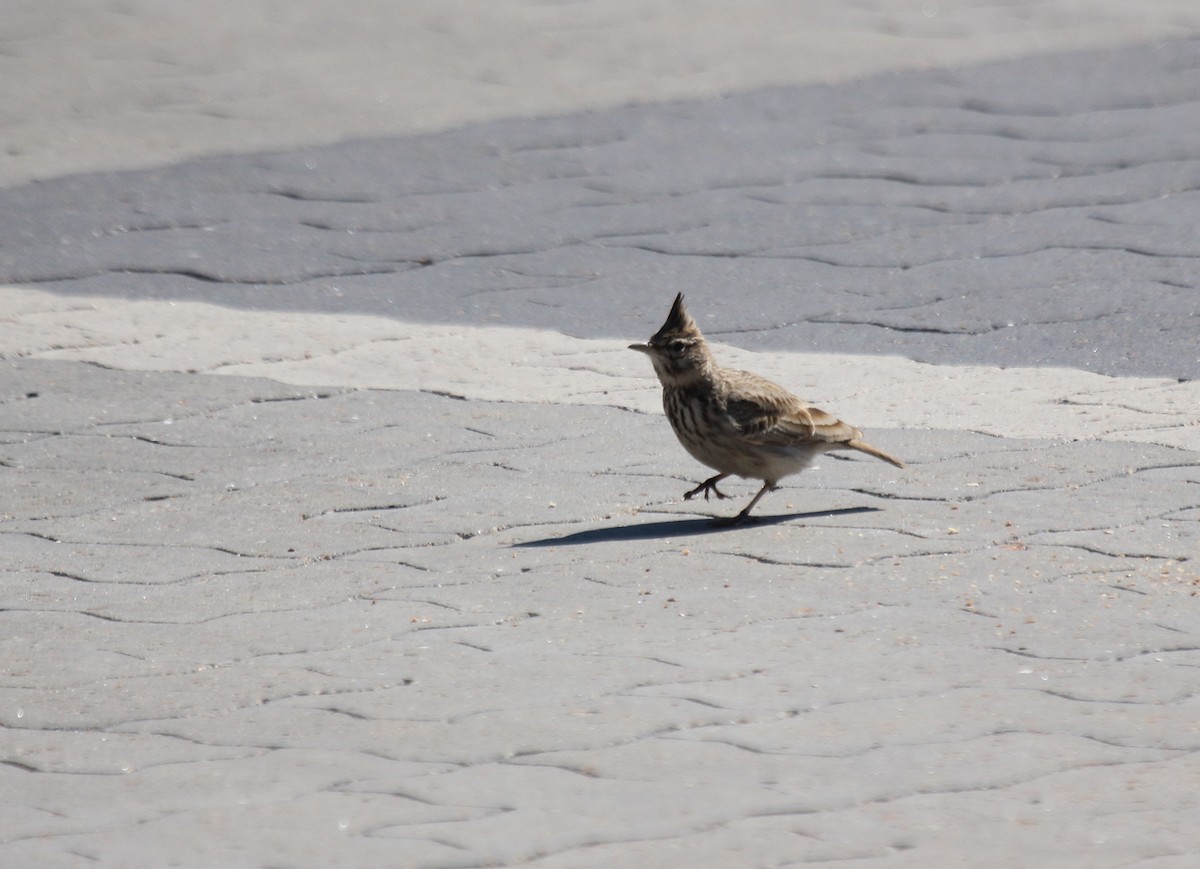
(677, 348)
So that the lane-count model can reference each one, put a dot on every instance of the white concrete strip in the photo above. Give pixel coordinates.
(510, 364)
(90, 86)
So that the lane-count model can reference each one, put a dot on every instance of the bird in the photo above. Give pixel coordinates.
(736, 422)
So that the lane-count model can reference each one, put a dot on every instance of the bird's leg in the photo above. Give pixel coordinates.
(709, 485)
(768, 486)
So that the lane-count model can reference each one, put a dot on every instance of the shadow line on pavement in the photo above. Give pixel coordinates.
(680, 528)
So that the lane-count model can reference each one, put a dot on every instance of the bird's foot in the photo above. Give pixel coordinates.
(744, 516)
(709, 485)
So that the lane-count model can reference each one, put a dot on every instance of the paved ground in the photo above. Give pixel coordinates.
(341, 531)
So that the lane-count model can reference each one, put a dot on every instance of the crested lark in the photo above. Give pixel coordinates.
(737, 422)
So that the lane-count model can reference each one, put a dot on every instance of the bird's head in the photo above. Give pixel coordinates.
(678, 350)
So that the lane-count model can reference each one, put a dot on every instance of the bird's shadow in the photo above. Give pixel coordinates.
(680, 528)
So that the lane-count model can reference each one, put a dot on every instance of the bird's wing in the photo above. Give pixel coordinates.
(766, 413)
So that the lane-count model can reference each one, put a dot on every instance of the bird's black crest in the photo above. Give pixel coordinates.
(679, 324)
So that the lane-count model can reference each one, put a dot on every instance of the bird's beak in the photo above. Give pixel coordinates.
(641, 348)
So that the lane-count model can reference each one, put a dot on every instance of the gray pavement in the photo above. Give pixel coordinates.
(250, 623)
(350, 627)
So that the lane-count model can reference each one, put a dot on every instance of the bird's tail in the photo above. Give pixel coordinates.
(864, 447)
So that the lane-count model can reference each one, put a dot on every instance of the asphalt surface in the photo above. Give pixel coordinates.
(299, 619)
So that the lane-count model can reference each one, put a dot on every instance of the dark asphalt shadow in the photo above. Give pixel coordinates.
(681, 528)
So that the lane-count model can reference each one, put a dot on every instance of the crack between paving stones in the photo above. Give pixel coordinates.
(308, 196)
(433, 261)
(160, 545)
(374, 508)
(1166, 650)
(1025, 653)
(1096, 550)
(202, 621)
(948, 740)
(963, 332)
(206, 226)
(571, 145)
(1075, 698)
(909, 180)
(203, 277)
(919, 792)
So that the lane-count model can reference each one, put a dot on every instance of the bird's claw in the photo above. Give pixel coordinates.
(706, 487)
